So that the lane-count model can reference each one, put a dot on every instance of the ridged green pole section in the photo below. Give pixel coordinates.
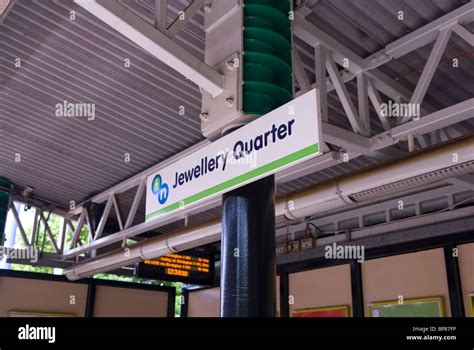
(3, 207)
(267, 75)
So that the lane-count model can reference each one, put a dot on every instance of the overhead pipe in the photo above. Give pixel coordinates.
(443, 161)
(151, 248)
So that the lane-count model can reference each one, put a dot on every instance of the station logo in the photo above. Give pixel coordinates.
(160, 189)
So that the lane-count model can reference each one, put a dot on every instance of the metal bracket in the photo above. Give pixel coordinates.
(223, 111)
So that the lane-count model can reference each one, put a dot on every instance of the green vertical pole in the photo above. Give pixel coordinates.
(248, 265)
(267, 70)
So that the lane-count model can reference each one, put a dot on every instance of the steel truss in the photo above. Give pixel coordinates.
(354, 221)
(360, 141)
(370, 80)
(41, 219)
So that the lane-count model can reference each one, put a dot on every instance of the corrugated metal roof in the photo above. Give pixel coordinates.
(82, 60)
(367, 26)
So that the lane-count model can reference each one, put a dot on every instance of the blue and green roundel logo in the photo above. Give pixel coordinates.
(160, 189)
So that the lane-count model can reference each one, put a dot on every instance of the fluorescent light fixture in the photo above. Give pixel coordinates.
(5, 7)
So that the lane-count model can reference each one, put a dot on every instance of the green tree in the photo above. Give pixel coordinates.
(44, 245)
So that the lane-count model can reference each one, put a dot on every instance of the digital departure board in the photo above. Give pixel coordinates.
(195, 268)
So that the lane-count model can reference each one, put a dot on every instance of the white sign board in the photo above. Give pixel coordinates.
(284, 137)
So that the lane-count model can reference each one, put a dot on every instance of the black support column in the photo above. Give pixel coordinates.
(90, 302)
(284, 295)
(454, 282)
(356, 287)
(248, 267)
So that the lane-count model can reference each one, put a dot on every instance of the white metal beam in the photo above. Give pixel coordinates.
(20, 225)
(118, 210)
(321, 80)
(339, 136)
(35, 227)
(363, 103)
(430, 68)
(161, 13)
(89, 224)
(345, 139)
(460, 30)
(352, 142)
(103, 219)
(138, 178)
(394, 90)
(314, 36)
(184, 17)
(117, 237)
(300, 73)
(63, 231)
(318, 162)
(308, 167)
(366, 208)
(420, 37)
(6, 8)
(343, 94)
(49, 233)
(381, 81)
(78, 229)
(71, 226)
(434, 121)
(429, 32)
(156, 43)
(377, 103)
(135, 204)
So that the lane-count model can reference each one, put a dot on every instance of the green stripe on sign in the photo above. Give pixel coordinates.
(305, 152)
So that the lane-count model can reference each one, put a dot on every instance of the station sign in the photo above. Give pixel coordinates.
(275, 141)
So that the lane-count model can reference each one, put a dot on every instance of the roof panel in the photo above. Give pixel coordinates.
(83, 60)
